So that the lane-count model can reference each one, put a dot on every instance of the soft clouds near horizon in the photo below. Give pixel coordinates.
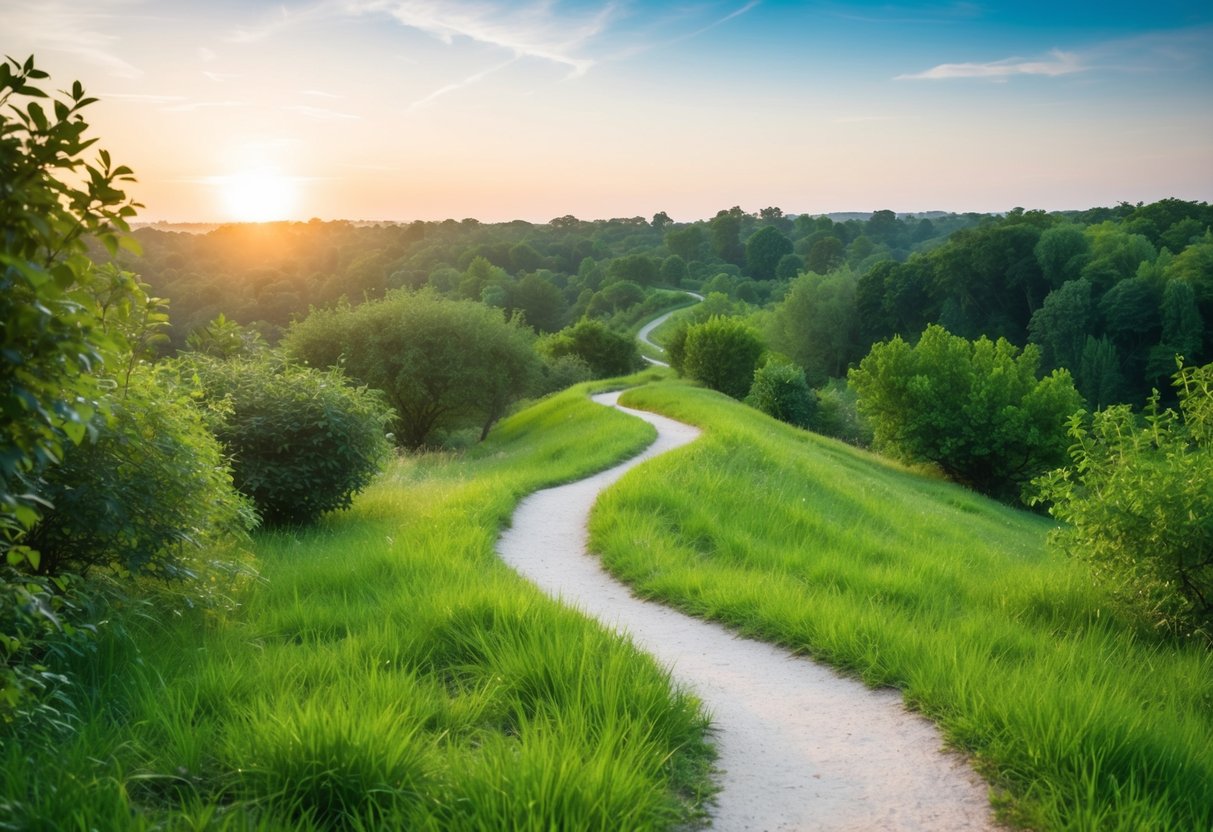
(403, 109)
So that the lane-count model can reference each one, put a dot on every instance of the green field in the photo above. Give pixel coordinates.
(1080, 720)
(388, 673)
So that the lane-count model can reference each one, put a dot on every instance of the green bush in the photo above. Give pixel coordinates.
(302, 441)
(560, 373)
(974, 408)
(1138, 503)
(722, 353)
(837, 414)
(148, 491)
(780, 390)
(607, 353)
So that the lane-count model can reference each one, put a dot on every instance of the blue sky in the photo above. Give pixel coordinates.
(398, 109)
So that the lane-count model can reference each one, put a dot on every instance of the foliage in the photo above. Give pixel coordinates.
(837, 414)
(817, 324)
(442, 364)
(302, 441)
(605, 352)
(974, 408)
(723, 354)
(51, 200)
(224, 338)
(780, 391)
(143, 495)
(763, 251)
(1138, 503)
(562, 372)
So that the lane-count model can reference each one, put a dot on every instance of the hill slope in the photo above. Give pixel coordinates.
(1080, 721)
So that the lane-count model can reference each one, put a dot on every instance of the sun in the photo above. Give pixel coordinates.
(259, 195)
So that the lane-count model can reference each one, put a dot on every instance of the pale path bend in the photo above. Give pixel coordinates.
(647, 330)
(801, 747)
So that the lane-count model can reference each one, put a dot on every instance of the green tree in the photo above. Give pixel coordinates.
(825, 254)
(687, 242)
(1137, 501)
(1182, 331)
(442, 364)
(763, 251)
(1061, 325)
(722, 353)
(817, 325)
(1098, 376)
(1062, 251)
(542, 305)
(673, 270)
(51, 202)
(974, 408)
(605, 352)
(724, 231)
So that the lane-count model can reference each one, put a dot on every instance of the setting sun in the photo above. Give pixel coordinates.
(261, 195)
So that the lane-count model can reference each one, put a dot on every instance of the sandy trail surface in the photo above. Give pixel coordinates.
(801, 747)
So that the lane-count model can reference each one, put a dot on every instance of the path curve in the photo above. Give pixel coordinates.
(801, 747)
(647, 329)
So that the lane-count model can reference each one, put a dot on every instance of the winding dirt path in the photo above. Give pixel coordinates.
(801, 748)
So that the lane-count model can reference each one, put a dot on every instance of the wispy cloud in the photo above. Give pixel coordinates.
(457, 85)
(1058, 63)
(192, 106)
(64, 27)
(906, 14)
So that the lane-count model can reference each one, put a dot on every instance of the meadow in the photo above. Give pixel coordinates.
(1080, 719)
(386, 672)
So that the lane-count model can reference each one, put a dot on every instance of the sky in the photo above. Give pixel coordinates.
(421, 109)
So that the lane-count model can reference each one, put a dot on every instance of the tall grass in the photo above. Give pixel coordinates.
(1081, 720)
(388, 673)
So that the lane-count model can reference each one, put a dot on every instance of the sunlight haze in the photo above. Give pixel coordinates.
(401, 110)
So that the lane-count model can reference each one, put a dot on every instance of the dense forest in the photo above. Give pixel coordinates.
(1112, 294)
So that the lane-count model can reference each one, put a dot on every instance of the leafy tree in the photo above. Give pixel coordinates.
(780, 391)
(1062, 251)
(1098, 376)
(1137, 501)
(51, 202)
(723, 354)
(223, 338)
(687, 242)
(442, 364)
(724, 231)
(975, 409)
(635, 268)
(673, 270)
(605, 352)
(302, 441)
(763, 251)
(817, 324)
(1182, 330)
(825, 254)
(614, 297)
(1061, 325)
(542, 304)
(789, 266)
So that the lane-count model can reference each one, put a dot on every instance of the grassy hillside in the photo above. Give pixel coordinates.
(1080, 720)
(389, 673)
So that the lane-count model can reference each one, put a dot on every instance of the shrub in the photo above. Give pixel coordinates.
(302, 441)
(607, 353)
(974, 408)
(838, 416)
(780, 390)
(51, 201)
(150, 488)
(561, 373)
(722, 353)
(1138, 501)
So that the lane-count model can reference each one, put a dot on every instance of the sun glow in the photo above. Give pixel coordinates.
(259, 195)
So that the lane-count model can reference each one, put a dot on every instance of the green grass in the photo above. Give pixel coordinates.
(389, 673)
(1082, 721)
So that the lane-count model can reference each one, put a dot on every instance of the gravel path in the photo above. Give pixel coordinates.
(801, 747)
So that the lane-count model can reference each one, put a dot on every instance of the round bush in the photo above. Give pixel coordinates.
(722, 353)
(780, 390)
(302, 441)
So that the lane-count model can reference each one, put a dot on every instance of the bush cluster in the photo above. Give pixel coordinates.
(780, 390)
